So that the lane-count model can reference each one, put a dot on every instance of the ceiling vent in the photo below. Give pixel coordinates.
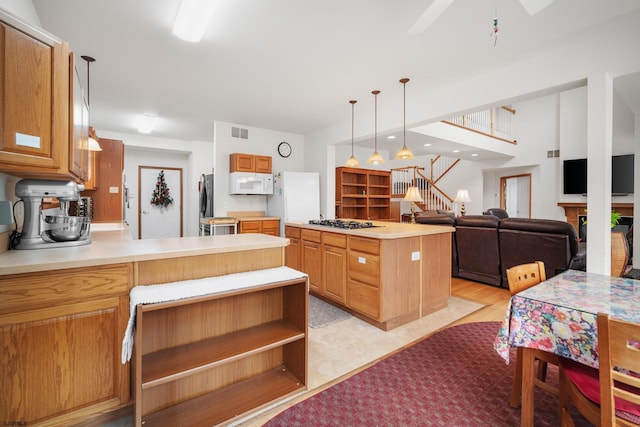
(239, 133)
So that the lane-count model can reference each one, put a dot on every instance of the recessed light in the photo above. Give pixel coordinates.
(391, 137)
(456, 151)
(474, 155)
(427, 145)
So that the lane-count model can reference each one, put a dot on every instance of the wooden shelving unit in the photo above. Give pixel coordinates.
(363, 193)
(206, 360)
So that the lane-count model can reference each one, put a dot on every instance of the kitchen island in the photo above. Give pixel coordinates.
(387, 275)
(63, 313)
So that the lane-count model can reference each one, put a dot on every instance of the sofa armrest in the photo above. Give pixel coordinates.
(579, 260)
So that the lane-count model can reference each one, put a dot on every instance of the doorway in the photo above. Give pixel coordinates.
(159, 220)
(515, 195)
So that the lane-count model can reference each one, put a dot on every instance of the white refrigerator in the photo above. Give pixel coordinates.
(296, 197)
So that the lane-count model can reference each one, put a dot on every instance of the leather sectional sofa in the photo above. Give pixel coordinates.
(485, 246)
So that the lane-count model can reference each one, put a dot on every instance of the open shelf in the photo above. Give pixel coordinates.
(222, 405)
(374, 193)
(175, 363)
(207, 359)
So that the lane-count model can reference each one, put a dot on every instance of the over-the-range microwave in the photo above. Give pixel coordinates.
(250, 183)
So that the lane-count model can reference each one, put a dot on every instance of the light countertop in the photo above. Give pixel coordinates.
(257, 218)
(113, 244)
(383, 229)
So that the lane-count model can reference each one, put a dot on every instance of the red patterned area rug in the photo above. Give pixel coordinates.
(453, 378)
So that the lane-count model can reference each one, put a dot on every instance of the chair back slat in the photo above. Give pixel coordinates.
(523, 276)
(619, 347)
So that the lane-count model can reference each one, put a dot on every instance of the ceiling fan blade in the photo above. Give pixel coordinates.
(430, 15)
(534, 6)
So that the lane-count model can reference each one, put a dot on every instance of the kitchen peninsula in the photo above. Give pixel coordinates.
(64, 311)
(387, 275)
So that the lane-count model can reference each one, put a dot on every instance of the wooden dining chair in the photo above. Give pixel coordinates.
(521, 277)
(594, 391)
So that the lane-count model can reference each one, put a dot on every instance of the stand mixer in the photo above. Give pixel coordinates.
(40, 231)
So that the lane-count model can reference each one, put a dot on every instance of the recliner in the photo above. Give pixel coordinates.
(523, 240)
(478, 248)
(499, 212)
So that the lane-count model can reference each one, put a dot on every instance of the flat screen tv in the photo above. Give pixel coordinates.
(575, 175)
(622, 174)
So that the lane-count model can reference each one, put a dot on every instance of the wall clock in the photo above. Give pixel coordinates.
(284, 149)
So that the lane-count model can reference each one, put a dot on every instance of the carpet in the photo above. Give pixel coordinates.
(453, 378)
(322, 314)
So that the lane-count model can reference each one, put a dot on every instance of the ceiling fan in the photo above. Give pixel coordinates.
(437, 8)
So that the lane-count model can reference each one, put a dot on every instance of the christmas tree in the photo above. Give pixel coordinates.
(160, 196)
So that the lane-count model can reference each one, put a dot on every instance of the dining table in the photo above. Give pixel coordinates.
(559, 316)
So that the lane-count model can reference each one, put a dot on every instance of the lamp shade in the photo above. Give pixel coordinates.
(462, 197)
(413, 195)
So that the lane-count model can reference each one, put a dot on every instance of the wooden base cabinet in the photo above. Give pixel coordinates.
(207, 360)
(334, 265)
(59, 345)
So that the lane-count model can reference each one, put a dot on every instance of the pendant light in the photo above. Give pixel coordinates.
(93, 145)
(352, 162)
(404, 153)
(376, 158)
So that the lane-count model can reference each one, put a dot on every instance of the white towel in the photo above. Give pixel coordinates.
(192, 288)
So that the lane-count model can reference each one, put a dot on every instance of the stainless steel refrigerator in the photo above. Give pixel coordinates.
(206, 196)
(296, 197)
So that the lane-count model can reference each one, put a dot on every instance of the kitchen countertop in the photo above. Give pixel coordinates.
(112, 244)
(257, 218)
(383, 229)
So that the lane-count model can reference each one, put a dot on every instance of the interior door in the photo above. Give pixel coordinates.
(515, 196)
(159, 221)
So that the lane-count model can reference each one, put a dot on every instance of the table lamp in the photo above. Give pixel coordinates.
(462, 197)
(413, 195)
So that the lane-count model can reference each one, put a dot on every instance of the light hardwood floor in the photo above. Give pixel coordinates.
(495, 300)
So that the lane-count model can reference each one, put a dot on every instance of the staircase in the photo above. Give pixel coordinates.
(414, 176)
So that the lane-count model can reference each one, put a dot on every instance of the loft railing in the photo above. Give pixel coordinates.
(495, 123)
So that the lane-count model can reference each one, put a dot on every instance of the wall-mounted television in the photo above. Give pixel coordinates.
(575, 175)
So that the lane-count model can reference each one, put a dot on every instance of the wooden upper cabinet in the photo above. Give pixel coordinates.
(78, 127)
(239, 162)
(34, 100)
(263, 164)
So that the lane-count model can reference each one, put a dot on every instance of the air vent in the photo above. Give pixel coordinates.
(239, 133)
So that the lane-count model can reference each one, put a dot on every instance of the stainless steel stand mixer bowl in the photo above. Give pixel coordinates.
(58, 229)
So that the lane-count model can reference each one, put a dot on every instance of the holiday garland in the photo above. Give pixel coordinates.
(160, 196)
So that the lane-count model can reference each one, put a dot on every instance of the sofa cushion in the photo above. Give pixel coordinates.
(548, 226)
(478, 250)
(484, 221)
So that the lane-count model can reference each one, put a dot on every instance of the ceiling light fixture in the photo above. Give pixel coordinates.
(352, 162)
(193, 18)
(146, 123)
(376, 158)
(391, 137)
(404, 153)
(92, 143)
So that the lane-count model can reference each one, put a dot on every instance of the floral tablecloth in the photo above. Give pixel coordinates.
(559, 315)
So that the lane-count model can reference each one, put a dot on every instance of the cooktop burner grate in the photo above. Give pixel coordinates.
(339, 223)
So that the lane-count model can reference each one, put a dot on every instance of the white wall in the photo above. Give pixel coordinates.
(23, 9)
(194, 157)
(261, 141)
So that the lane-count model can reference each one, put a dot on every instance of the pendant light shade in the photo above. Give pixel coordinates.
(93, 144)
(404, 153)
(352, 162)
(376, 158)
